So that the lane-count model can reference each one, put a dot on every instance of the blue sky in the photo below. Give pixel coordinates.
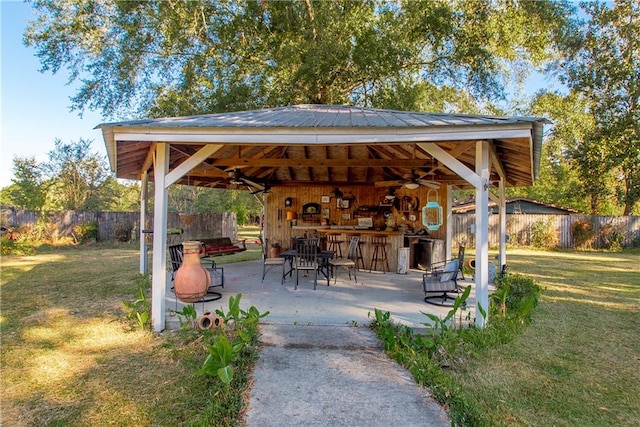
(35, 106)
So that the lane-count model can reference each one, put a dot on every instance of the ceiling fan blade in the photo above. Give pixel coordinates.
(431, 184)
(388, 184)
(252, 184)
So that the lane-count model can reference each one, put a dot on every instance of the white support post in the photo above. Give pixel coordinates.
(503, 227)
(449, 229)
(482, 233)
(144, 261)
(159, 276)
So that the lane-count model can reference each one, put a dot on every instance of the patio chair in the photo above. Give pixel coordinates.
(349, 262)
(269, 263)
(439, 266)
(306, 260)
(443, 282)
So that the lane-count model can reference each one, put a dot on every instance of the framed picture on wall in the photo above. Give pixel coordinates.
(325, 199)
(346, 216)
(325, 213)
(343, 204)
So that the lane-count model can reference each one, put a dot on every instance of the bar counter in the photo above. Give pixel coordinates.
(395, 240)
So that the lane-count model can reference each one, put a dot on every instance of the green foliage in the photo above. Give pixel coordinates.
(222, 354)
(27, 190)
(75, 176)
(190, 199)
(543, 234)
(15, 246)
(139, 310)
(515, 297)
(447, 345)
(607, 79)
(86, 232)
(201, 57)
(224, 351)
(187, 317)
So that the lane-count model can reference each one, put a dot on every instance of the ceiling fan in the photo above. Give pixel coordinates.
(236, 178)
(410, 181)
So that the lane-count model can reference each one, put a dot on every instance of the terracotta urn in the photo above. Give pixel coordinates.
(210, 320)
(191, 280)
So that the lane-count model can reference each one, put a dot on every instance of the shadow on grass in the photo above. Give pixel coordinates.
(69, 358)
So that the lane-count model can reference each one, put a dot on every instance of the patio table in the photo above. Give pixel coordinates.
(323, 264)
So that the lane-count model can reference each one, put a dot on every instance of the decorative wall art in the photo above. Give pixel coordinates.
(343, 203)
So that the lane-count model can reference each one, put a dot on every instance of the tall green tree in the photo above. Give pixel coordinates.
(75, 176)
(117, 196)
(174, 58)
(605, 70)
(189, 199)
(27, 189)
(569, 177)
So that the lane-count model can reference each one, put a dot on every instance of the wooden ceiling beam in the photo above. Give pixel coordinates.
(306, 162)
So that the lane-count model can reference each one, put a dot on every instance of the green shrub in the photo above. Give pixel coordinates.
(86, 232)
(432, 358)
(543, 234)
(139, 310)
(16, 246)
(515, 296)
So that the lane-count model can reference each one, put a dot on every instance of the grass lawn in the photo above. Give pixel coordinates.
(577, 364)
(69, 357)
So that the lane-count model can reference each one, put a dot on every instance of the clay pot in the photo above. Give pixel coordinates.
(210, 320)
(191, 280)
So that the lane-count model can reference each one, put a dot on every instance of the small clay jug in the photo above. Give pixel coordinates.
(191, 280)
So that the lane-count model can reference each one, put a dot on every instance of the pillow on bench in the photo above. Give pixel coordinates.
(221, 246)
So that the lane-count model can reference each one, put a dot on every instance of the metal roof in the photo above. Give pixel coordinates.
(323, 116)
(300, 144)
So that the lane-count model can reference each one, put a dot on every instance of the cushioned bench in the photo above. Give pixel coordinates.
(219, 246)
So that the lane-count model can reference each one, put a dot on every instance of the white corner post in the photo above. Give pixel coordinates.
(144, 188)
(502, 258)
(449, 229)
(159, 275)
(482, 233)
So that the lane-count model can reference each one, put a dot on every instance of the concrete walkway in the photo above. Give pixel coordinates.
(320, 364)
(334, 376)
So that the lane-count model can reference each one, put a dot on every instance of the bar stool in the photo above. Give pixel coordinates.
(359, 259)
(335, 244)
(379, 253)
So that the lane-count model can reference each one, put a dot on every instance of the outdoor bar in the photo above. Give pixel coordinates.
(328, 168)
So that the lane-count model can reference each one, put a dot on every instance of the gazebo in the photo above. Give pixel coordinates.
(310, 150)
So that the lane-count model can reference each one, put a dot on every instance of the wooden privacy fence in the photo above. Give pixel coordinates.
(520, 229)
(117, 226)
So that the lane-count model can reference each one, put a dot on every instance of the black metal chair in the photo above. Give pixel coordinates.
(349, 262)
(441, 282)
(438, 266)
(306, 260)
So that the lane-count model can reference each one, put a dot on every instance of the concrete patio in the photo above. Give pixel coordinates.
(344, 303)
